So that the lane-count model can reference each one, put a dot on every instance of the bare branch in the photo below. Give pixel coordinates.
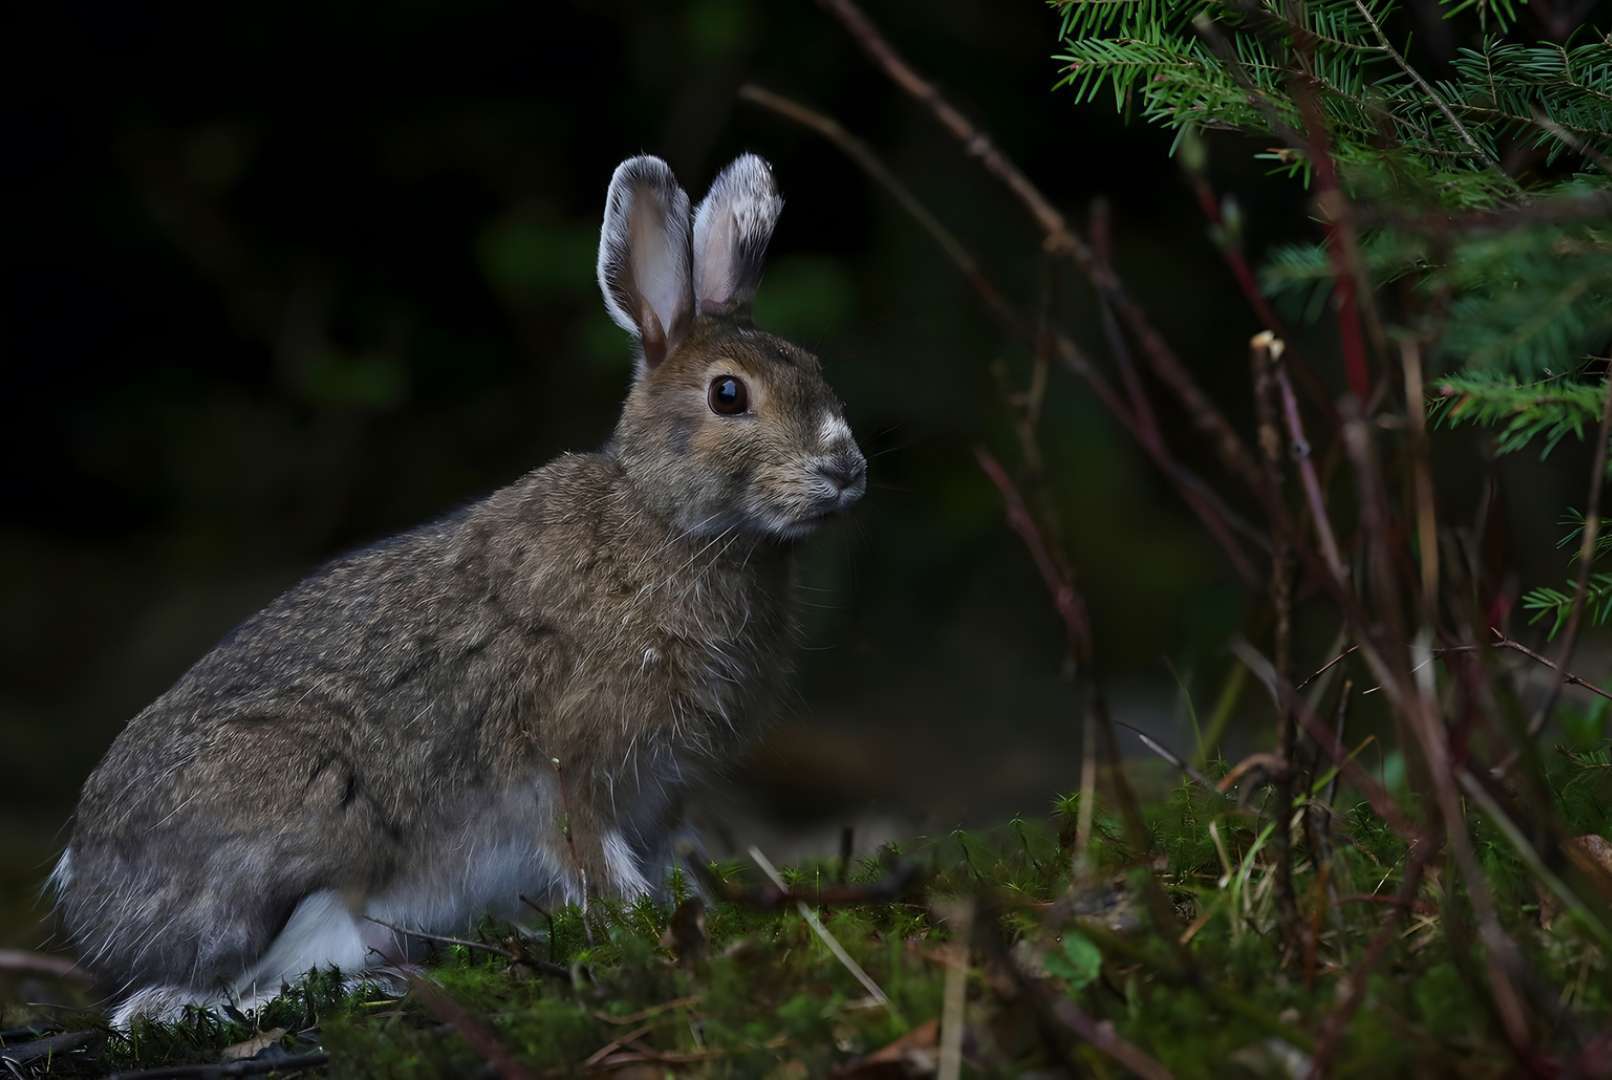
(1060, 237)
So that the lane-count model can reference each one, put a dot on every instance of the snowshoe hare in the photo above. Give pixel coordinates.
(508, 701)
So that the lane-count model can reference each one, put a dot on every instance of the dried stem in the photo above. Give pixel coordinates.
(1265, 353)
(822, 932)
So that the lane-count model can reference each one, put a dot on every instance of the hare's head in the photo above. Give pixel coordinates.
(726, 427)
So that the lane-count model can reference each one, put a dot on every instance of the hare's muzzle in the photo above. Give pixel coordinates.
(844, 477)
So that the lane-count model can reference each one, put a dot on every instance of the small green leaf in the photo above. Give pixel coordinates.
(1080, 962)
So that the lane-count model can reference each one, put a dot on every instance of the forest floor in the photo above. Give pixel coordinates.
(991, 953)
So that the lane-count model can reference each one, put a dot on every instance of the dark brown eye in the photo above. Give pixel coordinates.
(728, 396)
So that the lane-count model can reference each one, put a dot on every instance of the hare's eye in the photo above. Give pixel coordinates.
(728, 396)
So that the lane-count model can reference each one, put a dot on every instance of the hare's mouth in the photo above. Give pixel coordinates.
(819, 508)
(835, 509)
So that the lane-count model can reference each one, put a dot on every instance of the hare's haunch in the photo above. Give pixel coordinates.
(509, 701)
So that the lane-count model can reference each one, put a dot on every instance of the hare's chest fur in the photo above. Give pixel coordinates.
(671, 646)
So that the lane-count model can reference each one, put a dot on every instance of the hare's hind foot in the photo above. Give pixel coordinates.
(322, 933)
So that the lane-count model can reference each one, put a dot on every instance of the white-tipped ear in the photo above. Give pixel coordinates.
(731, 230)
(644, 256)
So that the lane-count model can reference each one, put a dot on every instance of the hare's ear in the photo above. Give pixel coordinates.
(731, 230)
(644, 256)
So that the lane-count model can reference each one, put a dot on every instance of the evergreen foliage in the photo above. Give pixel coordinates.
(1482, 192)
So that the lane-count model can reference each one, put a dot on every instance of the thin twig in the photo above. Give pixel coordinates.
(1504, 642)
(250, 1067)
(869, 162)
(443, 939)
(977, 142)
(1350, 285)
(1531, 858)
(615, 1044)
(1593, 206)
(1426, 88)
(1265, 355)
(1071, 607)
(1579, 145)
(1586, 555)
(1381, 802)
(1231, 253)
(1060, 237)
(1326, 667)
(1376, 526)
(629, 1019)
(1205, 28)
(49, 1048)
(1217, 518)
(1501, 641)
(821, 931)
(901, 881)
(951, 1013)
(1299, 447)
(649, 1056)
(1171, 756)
(1343, 718)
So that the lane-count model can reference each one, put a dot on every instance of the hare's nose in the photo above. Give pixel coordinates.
(844, 471)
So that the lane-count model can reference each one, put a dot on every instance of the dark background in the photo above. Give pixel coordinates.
(283, 279)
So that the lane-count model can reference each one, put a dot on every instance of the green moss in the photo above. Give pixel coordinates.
(765, 994)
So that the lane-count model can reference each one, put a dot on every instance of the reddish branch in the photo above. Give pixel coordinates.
(1071, 607)
(1217, 519)
(1231, 253)
(1072, 610)
(1060, 237)
(1341, 243)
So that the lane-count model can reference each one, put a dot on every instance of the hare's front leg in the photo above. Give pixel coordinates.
(597, 851)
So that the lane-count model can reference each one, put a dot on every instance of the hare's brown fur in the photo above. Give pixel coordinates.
(509, 701)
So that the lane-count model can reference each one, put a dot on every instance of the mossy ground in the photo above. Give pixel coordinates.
(751, 992)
